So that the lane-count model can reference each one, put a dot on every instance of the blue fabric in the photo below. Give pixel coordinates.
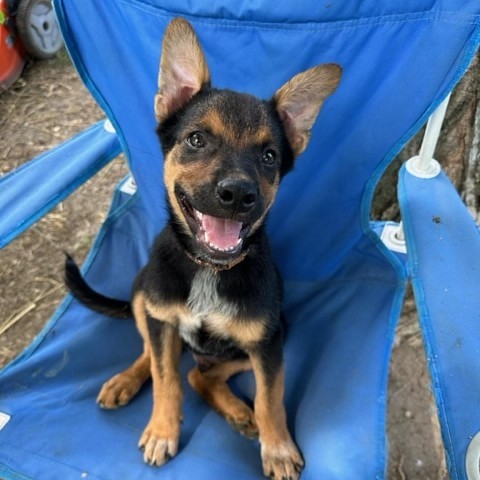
(32, 190)
(57, 430)
(343, 288)
(444, 257)
(386, 61)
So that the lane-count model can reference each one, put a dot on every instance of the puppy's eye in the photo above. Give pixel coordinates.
(196, 140)
(269, 157)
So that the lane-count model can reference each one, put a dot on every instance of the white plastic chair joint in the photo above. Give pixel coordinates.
(393, 238)
(129, 186)
(4, 419)
(472, 458)
(415, 167)
(108, 127)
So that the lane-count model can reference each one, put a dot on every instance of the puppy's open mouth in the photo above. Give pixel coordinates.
(217, 235)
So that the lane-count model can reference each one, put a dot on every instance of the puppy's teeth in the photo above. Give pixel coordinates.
(219, 249)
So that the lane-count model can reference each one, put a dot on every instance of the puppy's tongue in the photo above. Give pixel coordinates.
(221, 233)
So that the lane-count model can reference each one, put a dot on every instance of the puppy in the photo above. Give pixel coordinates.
(211, 281)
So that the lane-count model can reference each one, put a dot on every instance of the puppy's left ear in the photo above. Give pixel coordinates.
(183, 69)
(299, 101)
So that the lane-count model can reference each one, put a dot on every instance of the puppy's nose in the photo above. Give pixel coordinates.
(238, 195)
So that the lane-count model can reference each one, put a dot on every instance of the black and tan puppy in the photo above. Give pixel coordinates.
(211, 281)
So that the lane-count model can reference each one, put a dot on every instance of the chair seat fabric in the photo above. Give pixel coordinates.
(336, 355)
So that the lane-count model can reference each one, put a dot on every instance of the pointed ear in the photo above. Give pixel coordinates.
(300, 99)
(183, 69)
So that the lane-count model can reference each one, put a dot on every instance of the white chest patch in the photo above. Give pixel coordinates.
(206, 307)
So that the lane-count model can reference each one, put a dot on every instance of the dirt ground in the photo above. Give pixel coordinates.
(49, 104)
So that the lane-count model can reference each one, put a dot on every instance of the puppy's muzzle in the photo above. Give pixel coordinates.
(236, 195)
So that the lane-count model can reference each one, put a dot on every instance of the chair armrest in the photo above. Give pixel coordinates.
(32, 190)
(443, 245)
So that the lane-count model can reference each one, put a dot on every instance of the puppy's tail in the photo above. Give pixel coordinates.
(89, 297)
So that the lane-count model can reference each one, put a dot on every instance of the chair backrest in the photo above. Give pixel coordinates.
(400, 58)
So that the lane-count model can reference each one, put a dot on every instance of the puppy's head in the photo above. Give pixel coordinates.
(226, 152)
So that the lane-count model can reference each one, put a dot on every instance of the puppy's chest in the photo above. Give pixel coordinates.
(207, 311)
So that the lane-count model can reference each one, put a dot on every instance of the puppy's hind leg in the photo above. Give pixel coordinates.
(211, 384)
(121, 388)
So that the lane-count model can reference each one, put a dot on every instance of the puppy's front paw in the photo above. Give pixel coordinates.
(118, 391)
(282, 462)
(158, 448)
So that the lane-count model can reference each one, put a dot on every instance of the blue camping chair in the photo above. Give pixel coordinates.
(344, 286)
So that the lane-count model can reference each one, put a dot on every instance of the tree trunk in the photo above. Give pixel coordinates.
(458, 150)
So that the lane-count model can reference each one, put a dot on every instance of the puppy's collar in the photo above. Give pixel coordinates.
(217, 267)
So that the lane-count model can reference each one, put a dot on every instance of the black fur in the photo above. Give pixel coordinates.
(89, 297)
(155, 332)
(168, 275)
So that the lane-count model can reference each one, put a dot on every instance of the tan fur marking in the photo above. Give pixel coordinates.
(189, 176)
(172, 170)
(167, 393)
(280, 456)
(166, 313)
(138, 308)
(263, 136)
(269, 192)
(245, 332)
(192, 175)
(214, 122)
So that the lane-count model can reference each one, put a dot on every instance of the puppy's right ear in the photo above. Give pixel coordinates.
(183, 69)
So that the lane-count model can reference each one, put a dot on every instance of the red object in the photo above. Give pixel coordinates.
(12, 55)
